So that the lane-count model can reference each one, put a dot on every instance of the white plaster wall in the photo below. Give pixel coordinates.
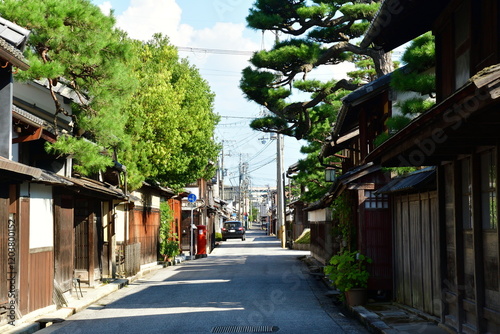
(317, 215)
(38, 95)
(41, 216)
(141, 195)
(121, 227)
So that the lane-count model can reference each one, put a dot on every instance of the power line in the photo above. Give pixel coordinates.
(218, 51)
(237, 117)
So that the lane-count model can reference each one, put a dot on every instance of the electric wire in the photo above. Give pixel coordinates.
(217, 51)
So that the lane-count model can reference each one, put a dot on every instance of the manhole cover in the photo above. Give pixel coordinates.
(245, 329)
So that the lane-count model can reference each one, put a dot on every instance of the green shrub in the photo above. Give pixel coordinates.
(347, 270)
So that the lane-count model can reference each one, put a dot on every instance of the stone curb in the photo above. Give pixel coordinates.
(77, 305)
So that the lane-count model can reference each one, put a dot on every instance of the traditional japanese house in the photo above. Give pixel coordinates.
(56, 221)
(415, 234)
(459, 136)
(360, 121)
(145, 223)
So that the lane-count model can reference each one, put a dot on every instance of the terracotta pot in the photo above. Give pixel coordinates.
(356, 296)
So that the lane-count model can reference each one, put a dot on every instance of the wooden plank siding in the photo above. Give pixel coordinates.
(472, 299)
(64, 241)
(176, 206)
(416, 251)
(377, 242)
(88, 239)
(323, 247)
(24, 254)
(4, 221)
(41, 279)
(144, 227)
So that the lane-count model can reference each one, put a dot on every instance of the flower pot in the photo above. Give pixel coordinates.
(356, 296)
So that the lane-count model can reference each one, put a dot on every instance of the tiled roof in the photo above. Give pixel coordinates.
(412, 182)
(29, 116)
(13, 39)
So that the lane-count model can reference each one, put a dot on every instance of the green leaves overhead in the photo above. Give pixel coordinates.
(288, 57)
(173, 121)
(318, 33)
(282, 79)
(135, 102)
(73, 43)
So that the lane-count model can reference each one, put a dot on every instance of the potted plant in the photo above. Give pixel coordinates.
(347, 272)
(169, 248)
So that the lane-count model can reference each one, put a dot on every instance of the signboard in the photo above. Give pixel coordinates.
(192, 198)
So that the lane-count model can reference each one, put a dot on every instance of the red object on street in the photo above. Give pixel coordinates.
(201, 238)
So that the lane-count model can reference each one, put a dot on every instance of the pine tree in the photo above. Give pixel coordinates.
(318, 33)
(73, 43)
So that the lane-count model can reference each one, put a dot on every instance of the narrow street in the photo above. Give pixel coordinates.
(251, 286)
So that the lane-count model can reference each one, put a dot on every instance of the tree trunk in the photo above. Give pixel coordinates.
(383, 62)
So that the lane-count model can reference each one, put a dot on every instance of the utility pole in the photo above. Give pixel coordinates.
(221, 174)
(280, 189)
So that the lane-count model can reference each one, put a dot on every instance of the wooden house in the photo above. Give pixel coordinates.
(460, 136)
(360, 121)
(415, 235)
(322, 246)
(59, 224)
(144, 225)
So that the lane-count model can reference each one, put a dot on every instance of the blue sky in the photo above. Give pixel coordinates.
(215, 25)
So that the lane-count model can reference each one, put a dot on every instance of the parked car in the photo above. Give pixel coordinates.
(233, 230)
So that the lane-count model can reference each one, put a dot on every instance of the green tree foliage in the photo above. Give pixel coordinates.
(311, 172)
(416, 77)
(172, 120)
(314, 34)
(74, 44)
(136, 102)
(318, 33)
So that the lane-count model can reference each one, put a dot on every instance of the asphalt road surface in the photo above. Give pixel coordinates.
(251, 286)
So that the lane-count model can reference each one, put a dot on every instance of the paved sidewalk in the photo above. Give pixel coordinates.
(393, 318)
(31, 322)
(382, 318)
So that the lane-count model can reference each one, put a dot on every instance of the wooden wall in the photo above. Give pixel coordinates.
(322, 243)
(416, 252)
(41, 279)
(144, 227)
(4, 220)
(471, 283)
(64, 241)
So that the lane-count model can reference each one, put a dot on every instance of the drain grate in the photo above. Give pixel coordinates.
(245, 329)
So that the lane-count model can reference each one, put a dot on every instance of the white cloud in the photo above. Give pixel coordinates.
(143, 18)
(106, 7)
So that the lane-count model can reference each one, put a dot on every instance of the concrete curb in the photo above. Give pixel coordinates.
(31, 324)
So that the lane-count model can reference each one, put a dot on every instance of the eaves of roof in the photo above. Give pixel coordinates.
(341, 183)
(13, 39)
(400, 21)
(163, 190)
(12, 55)
(97, 187)
(421, 179)
(446, 125)
(19, 168)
